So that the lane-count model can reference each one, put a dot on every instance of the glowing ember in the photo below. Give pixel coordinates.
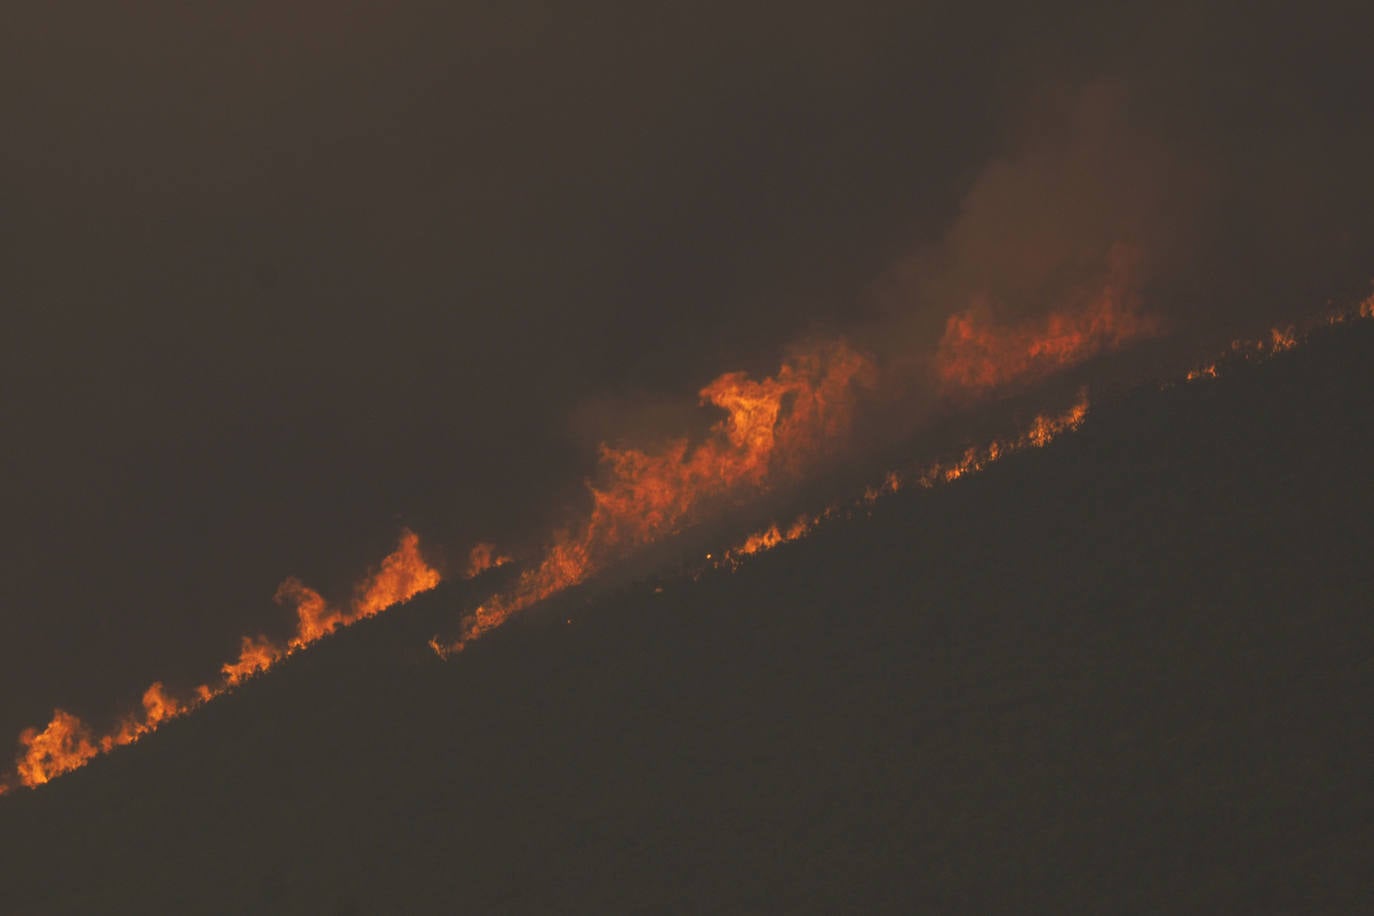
(1208, 371)
(772, 536)
(1279, 340)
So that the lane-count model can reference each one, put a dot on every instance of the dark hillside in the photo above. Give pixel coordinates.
(1130, 672)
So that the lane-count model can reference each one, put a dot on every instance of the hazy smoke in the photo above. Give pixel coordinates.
(1043, 228)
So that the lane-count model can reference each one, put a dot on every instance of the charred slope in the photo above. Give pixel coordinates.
(1130, 672)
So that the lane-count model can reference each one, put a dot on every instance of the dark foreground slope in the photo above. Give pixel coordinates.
(1131, 672)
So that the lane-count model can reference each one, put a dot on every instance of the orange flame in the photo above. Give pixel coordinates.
(62, 746)
(1279, 340)
(403, 575)
(1208, 371)
(482, 558)
(315, 619)
(1041, 431)
(255, 655)
(976, 354)
(773, 535)
(772, 427)
(158, 706)
(67, 743)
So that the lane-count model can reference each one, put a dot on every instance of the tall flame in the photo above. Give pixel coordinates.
(772, 428)
(65, 744)
(1039, 433)
(402, 575)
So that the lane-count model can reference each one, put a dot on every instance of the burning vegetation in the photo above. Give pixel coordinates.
(977, 354)
(773, 429)
(1039, 433)
(67, 743)
(1278, 340)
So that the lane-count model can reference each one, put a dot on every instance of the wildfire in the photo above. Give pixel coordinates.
(67, 743)
(773, 535)
(977, 354)
(484, 557)
(158, 706)
(1278, 340)
(985, 371)
(257, 654)
(772, 429)
(402, 575)
(1208, 371)
(63, 746)
(1039, 433)
(315, 618)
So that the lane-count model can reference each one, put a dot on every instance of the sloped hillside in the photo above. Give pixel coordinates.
(1130, 672)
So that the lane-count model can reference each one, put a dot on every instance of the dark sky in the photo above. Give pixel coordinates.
(282, 278)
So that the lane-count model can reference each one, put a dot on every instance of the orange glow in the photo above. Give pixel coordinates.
(254, 655)
(1281, 339)
(484, 557)
(771, 430)
(1208, 371)
(773, 535)
(977, 354)
(158, 707)
(62, 746)
(66, 743)
(315, 619)
(1039, 433)
(403, 575)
